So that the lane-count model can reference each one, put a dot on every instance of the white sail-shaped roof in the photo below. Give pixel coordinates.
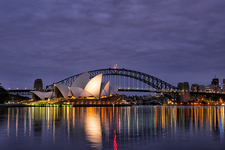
(42, 95)
(76, 91)
(48, 94)
(105, 88)
(81, 81)
(62, 88)
(94, 86)
(39, 94)
(85, 93)
(113, 89)
(69, 93)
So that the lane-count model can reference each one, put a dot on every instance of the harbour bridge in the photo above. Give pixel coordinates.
(127, 80)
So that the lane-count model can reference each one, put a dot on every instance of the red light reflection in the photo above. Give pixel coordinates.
(114, 142)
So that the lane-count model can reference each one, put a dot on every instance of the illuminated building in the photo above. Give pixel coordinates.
(105, 90)
(61, 90)
(194, 87)
(197, 88)
(81, 81)
(41, 95)
(94, 86)
(214, 86)
(83, 87)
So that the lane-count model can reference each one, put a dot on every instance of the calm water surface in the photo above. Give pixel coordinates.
(122, 128)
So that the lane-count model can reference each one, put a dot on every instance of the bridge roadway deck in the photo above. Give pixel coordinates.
(20, 92)
(207, 94)
(145, 90)
(27, 91)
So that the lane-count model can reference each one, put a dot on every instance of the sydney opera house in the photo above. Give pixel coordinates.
(82, 88)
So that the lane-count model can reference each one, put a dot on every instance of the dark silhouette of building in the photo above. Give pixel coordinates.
(197, 88)
(214, 87)
(194, 87)
(223, 85)
(215, 81)
(38, 85)
(183, 92)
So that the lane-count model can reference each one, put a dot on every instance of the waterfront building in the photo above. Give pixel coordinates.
(41, 95)
(147, 97)
(83, 88)
(194, 87)
(201, 88)
(215, 81)
(223, 85)
(214, 86)
(38, 85)
(184, 92)
(61, 90)
(197, 88)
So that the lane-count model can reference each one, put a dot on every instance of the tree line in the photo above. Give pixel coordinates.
(4, 95)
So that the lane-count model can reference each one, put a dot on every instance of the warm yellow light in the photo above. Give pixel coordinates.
(90, 98)
(93, 128)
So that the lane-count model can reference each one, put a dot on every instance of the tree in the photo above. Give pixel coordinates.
(4, 95)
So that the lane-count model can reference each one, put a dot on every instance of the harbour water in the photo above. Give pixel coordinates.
(115, 128)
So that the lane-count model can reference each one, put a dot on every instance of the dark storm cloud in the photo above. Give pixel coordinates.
(175, 40)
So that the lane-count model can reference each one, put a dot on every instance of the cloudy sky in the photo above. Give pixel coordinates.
(174, 40)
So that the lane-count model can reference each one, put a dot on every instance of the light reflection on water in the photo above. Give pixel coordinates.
(93, 128)
(156, 127)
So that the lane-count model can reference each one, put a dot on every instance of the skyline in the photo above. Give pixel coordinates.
(176, 41)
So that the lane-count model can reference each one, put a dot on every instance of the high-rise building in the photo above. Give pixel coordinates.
(201, 88)
(214, 87)
(197, 88)
(194, 87)
(215, 81)
(184, 92)
(223, 85)
(38, 85)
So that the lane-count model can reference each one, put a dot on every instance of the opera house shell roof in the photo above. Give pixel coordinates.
(84, 87)
(42, 95)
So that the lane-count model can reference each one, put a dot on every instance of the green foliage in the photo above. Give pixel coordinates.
(4, 95)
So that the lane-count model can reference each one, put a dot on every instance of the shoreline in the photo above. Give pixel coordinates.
(96, 105)
(63, 105)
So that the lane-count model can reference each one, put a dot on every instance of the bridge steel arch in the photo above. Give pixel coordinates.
(152, 81)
